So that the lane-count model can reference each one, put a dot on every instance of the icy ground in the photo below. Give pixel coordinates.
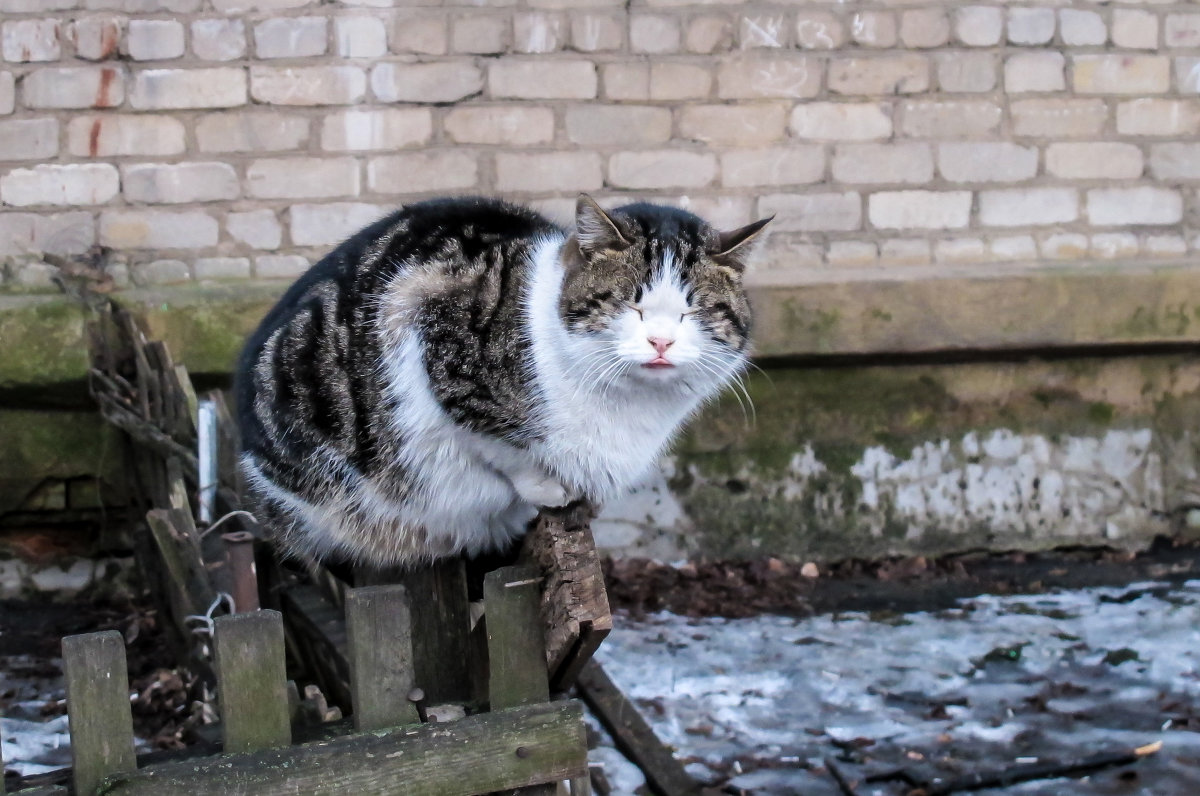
(993, 681)
(763, 701)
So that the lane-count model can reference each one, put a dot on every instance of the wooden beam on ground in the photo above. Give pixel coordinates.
(379, 636)
(479, 754)
(632, 735)
(575, 611)
(98, 707)
(252, 681)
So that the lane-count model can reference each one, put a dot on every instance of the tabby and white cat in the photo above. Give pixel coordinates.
(438, 376)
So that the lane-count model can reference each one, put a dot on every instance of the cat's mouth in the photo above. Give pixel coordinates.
(658, 362)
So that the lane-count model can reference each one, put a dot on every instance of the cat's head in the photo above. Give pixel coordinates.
(659, 290)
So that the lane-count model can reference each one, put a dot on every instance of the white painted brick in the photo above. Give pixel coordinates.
(987, 161)
(1012, 248)
(154, 39)
(157, 229)
(212, 87)
(429, 171)
(596, 125)
(600, 33)
(627, 81)
(979, 26)
(542, 79)
(797, 164)
(55, 233)
(654, 34)
(29, 40)
(539, 33)
(1122, 74)
(1135, 28)
(919, 209)
(1058, 118)
(359, 37)
(96, 38)
(1030, 25)
(325, 224)
(905, 251)
(242, 6)
(302, 178)
(1158, 117)
(1182, 30)
(774, 75)
(782, 252)
(482, 34)
(813, 212)
(959, 250)
(1187, 75)
(883, 163)
(950, 119)
(1113, 245)
(740, 125)
(673, 81)
(663, 168)
(1175, 161)
(762, 31)
(8, 92)
(923, 28)
(873, 28)
(291, 37)
(219, 39)
(308, 85)
(51, 184)
(448, 81)
(222, 268)
(1081, 28)
(423, 35)
(1094, 160)
(161, 183)
(28, 139)
(819, 30)
(258, 229)
(967, 72)
(287, 266)
(161, 272)
(251, 131)
(1035, 71)
(74, 87)
(39, 276)
(883, 75)
(1064, 246)
(382, 128)
(1024, 207)
(512, 125)
(842, 121)
(708, 34)
(1165, 246)
(852, 254)
(548, 171)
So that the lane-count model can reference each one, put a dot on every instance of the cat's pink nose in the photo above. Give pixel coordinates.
(661, 344)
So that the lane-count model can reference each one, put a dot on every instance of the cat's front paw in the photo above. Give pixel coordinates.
(541, 490)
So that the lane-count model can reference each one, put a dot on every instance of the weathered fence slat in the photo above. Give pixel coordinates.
(516, 649)
(98, 705)
(252, 681)
(479, 754)
(379, 637)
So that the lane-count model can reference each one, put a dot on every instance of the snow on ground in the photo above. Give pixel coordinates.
(763, 701)
(1056, 676)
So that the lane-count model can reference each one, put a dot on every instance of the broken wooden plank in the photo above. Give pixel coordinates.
(181, 557)
(98, 706)
(575, 610)
(316, 638)
(379, 635)
(479, 754)
(632, 735)
(252, 681)
(516, 649)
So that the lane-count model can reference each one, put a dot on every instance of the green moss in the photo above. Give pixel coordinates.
(44, 341)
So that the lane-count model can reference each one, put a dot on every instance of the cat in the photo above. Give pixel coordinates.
(430, 383)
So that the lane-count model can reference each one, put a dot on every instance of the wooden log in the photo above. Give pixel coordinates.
(516, 649)
(379, 635)
(479, 754)
(98, 705)
(575, 610)
(632, 735)
(252, 681)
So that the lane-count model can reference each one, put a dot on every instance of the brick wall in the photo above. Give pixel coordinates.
(229, 139)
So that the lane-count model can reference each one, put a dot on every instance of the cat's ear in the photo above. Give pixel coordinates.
(595, 229)
(734, 247)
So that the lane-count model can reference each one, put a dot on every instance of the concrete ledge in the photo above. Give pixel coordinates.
(803, 314)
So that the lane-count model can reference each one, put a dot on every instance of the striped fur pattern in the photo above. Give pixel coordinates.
(432, 381)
